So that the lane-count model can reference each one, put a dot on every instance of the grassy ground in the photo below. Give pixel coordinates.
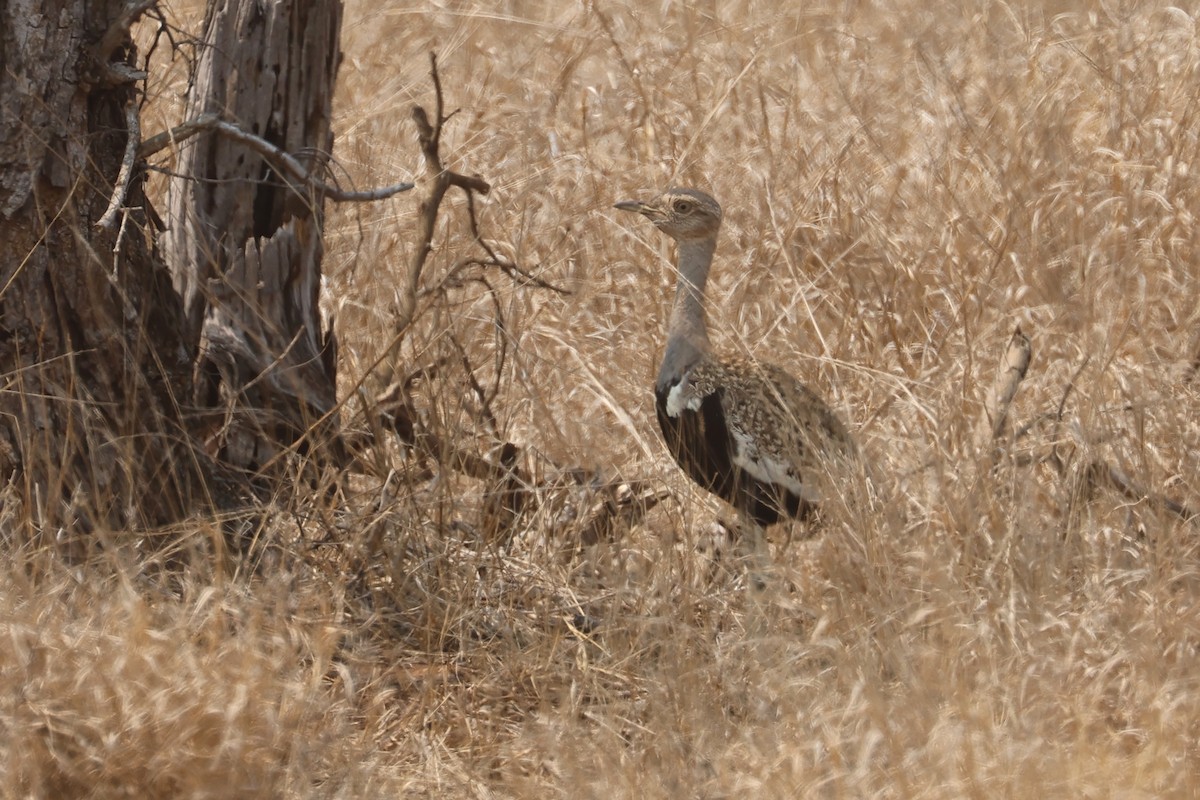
(904, 182)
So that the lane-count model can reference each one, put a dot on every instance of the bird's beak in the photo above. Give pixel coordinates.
(633, 205)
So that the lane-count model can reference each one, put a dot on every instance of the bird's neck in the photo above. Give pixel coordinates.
(687, 332)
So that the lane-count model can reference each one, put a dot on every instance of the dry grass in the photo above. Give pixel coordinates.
(903, 182)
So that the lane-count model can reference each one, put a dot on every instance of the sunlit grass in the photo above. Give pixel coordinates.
(903, 184)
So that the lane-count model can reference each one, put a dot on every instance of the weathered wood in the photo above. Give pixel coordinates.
(244, 236)
(91, 349)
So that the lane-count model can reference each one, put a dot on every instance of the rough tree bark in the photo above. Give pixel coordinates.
(244, 240)
(92, 353)
(102, 360)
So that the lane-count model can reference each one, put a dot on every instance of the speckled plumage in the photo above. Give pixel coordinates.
(744, 430)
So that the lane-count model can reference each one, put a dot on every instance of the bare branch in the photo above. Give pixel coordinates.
(394, 407)
(289, 164)
(437, 93)
(179, 133)
(468, 183)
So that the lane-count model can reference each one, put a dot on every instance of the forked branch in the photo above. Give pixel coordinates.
(440, 180)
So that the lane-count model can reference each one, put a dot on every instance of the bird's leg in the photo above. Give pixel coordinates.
(755, 553)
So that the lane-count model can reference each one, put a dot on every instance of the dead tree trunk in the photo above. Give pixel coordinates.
(92, 352)
(244, 238)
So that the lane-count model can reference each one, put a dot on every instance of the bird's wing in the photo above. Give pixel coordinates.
(733, 433)
(781, 432)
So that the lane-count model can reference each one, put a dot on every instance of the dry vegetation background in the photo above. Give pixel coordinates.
(904, 182)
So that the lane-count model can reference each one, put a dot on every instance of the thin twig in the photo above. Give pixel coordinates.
(485, 397)
(211, 122)
(439, 101)
(481, 395)
(506, 266)
(1102, 473)
(134, 130)
(164, 29)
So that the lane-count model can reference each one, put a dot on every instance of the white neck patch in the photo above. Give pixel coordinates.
(683, 396)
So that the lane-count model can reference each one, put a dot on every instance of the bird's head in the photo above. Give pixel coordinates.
(680, 213)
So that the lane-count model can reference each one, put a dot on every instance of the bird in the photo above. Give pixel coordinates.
(746, 431)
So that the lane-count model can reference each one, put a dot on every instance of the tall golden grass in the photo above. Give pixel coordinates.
(904, 182)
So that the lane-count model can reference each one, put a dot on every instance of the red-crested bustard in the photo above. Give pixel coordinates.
(745, 430)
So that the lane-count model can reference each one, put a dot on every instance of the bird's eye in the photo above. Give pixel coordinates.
(682, 206)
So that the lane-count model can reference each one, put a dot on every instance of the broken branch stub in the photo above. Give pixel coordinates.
(1011, 371)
